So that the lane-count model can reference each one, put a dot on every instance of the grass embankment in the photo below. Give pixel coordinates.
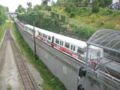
(1, 32)
(3, 28)
(50, 81)
(105, 18)
(84, 23)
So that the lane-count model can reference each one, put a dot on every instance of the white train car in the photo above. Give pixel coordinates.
(72, 47)
(29, 29)
(46, 36)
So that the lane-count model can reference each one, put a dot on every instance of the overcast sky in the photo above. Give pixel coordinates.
(115, 1)
(13, 4)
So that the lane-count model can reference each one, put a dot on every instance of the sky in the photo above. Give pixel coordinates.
(115, 1)
(13, 4)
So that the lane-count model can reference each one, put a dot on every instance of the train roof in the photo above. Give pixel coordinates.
(30, 26)
(40, 30)
(72, 41)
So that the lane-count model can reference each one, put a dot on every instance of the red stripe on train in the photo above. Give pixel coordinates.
(64, 49)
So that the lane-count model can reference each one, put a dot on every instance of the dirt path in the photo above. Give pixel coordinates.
(9, 75)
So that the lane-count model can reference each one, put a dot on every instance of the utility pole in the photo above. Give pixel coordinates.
(34, 42)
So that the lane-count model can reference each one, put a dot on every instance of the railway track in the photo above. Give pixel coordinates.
(2, 52)
(26, 76)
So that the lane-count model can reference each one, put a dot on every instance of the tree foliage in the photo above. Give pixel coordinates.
(29, 4)
(95, 6)
(78, 3)
(45, 2)
(20, 9)
(104, 3)
(3, 14)
(37, 7)
(100, 3)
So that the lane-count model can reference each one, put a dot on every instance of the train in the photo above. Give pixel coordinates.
(76, 49)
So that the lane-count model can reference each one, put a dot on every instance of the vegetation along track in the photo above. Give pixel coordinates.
(26, 76)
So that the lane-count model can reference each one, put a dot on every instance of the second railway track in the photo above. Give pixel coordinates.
(26, 76)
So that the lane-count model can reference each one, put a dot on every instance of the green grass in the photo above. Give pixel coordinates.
(50, 81)
(105, 18)
(9, 87)
(3, 28)
(1, 32)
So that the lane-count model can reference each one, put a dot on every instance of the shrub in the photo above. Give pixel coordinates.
(83, 11)
(48, 8)
(95, 9)
(84, 31)
(105, 11)
(71, 9)
(72, 14)
(95, 6)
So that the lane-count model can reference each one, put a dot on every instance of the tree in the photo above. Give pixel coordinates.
(95, 6)
(3, 14)
(20, 9)
(45, 2)
(100, 3)
(29, 4)
(37, 7)
(86, 2)
(104, 3)
(77, 3)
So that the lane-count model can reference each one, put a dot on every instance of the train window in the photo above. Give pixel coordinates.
(98, 54)
(67, 45)
(45, 36)
(57, 41)
(49, 38)
(40, 34)
(73, 47)
(80, 50)
(61, 43)
(28, 29)
(31, 30)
